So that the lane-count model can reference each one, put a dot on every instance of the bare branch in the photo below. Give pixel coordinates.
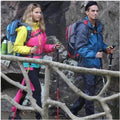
(94, 116)
(107, 110)
(64, 107)
(109, 98)
(46, 92)
(63, 66)
(105, 86)
(21, 107)
(73, 87)
(17, 84)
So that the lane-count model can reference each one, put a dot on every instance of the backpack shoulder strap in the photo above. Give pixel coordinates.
(36, 34)
(89, 29)
(29, 30)
(78, 23)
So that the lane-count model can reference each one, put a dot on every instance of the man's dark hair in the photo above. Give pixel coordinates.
(90, 3)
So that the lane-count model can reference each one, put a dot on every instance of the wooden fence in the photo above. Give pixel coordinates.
(58, 67)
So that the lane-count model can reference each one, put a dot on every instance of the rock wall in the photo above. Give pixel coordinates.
(58, 15)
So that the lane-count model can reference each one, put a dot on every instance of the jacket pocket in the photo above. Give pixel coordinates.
(92, 62)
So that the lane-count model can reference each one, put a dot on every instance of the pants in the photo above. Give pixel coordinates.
(88, 89)
(36, 90)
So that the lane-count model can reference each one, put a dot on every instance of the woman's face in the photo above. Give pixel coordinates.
(36, 14)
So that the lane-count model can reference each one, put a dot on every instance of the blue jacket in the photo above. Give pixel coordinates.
(89, 43)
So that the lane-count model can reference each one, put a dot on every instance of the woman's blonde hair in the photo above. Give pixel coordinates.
(27, 17)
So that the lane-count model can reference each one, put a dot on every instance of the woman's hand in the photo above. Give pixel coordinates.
(33, 49)
(57, 46)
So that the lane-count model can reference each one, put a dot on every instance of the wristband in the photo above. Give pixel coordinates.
(108, 50)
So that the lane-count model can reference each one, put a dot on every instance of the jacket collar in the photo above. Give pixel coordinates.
(35, 25)
(98, 24)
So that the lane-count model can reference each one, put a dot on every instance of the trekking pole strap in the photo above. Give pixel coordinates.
(57, 55)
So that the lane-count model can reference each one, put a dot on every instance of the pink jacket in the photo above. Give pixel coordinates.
(41, 42)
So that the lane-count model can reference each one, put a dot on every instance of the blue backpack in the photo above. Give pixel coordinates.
(11, 33)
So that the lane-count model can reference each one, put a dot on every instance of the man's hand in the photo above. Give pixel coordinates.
(111, 49)
(99, 54)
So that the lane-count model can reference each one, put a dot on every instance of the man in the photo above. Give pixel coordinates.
(90, 47)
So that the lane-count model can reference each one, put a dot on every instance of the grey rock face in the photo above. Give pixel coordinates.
(58, 15)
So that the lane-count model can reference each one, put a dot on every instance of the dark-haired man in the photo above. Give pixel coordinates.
(89, 43)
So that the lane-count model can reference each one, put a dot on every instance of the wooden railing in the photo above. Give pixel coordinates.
(58, 67)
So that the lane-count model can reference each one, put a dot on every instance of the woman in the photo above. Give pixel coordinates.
(36, 45)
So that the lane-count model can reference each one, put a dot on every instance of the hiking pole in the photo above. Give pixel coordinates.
(58, 87)
(110, 57)
(101, 67)
(29, 63)
(31, 57)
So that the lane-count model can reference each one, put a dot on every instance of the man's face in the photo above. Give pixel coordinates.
(92, 13)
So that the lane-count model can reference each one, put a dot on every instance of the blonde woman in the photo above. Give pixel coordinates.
(35, 46)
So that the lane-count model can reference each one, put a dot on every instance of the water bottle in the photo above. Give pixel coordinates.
(10, 48)
(4, 47)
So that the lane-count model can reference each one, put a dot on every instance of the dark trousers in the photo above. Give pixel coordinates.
(34, 77)
(89, 89)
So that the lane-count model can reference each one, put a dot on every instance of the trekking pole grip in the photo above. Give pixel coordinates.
(32, 54)
(100, 59)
